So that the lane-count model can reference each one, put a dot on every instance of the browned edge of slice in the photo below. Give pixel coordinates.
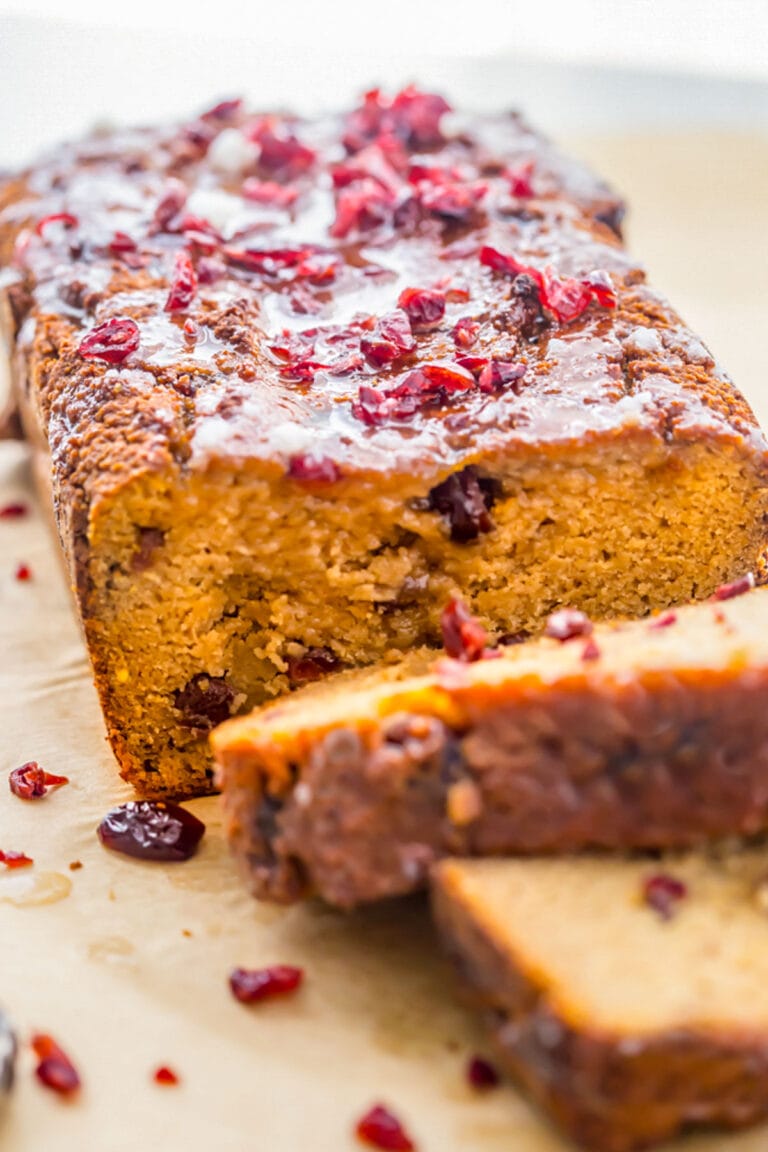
(609, 1093)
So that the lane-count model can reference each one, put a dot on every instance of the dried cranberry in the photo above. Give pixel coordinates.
(282, 153)
(465, 332)
(663, 892)
(391, 338)
(113, 341)
(204, 701)
(14, 511)
(165, 1075)
(224, 110)
(151, 830)
(125, 248)
(381, 1129)
(590, 651)
(601, 287)
(520, 180)
(313, 469)
(361, 207)
(270, 261)
(251, 985)
(501, 262)
(65, 218)
(481, 1073)
(23, 573)
(464, 638)
(425, 307)
(451, 200)
(498, 373)
(183, 284)
(735, 588)
(171, 203)
(30, 781)
(15, 859)
(311, 665)
(428, 386)
(412, 116)
(568, 623)
(665, 620)
(465, 499)
(565, 298)
(269, 192)
(54, 1068)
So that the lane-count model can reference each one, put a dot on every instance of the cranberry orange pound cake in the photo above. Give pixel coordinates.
(301, 381)
(627, 996)
(647, 734)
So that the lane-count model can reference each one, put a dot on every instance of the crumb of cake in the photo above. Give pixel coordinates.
(75, 865)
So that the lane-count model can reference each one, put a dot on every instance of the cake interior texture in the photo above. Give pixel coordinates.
(629, 1019)
(636, 735)
(272, 460)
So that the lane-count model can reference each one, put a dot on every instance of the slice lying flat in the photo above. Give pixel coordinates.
(650, 734)
(630, 997)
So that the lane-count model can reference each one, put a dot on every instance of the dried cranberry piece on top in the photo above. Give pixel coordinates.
(113, 341)
(64, 218)
(390, 338)
(151, 830)
(425, 307)
(183, 284)
(464, 637)
(313, 469)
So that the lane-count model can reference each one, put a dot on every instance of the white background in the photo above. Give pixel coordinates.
(575, 65)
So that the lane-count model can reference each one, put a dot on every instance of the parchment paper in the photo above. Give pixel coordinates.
(129, 968)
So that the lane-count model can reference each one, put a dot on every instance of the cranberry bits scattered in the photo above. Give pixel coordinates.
(151, 830)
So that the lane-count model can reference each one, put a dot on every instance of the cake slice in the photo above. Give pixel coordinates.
(297, 382)
(629, 997)
(645, 734)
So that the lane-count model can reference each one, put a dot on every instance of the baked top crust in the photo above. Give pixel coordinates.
(282, 249)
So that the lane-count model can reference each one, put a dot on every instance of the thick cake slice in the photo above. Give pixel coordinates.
(629, 997)
(637, 735)
(301, 381)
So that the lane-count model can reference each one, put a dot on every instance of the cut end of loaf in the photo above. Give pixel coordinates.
(628, 1028)
(212, 595)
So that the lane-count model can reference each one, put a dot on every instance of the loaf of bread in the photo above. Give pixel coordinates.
(300, 382)
(646, 734)
(629, 997)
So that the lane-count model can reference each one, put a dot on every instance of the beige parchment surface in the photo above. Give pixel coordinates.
(128, 969)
